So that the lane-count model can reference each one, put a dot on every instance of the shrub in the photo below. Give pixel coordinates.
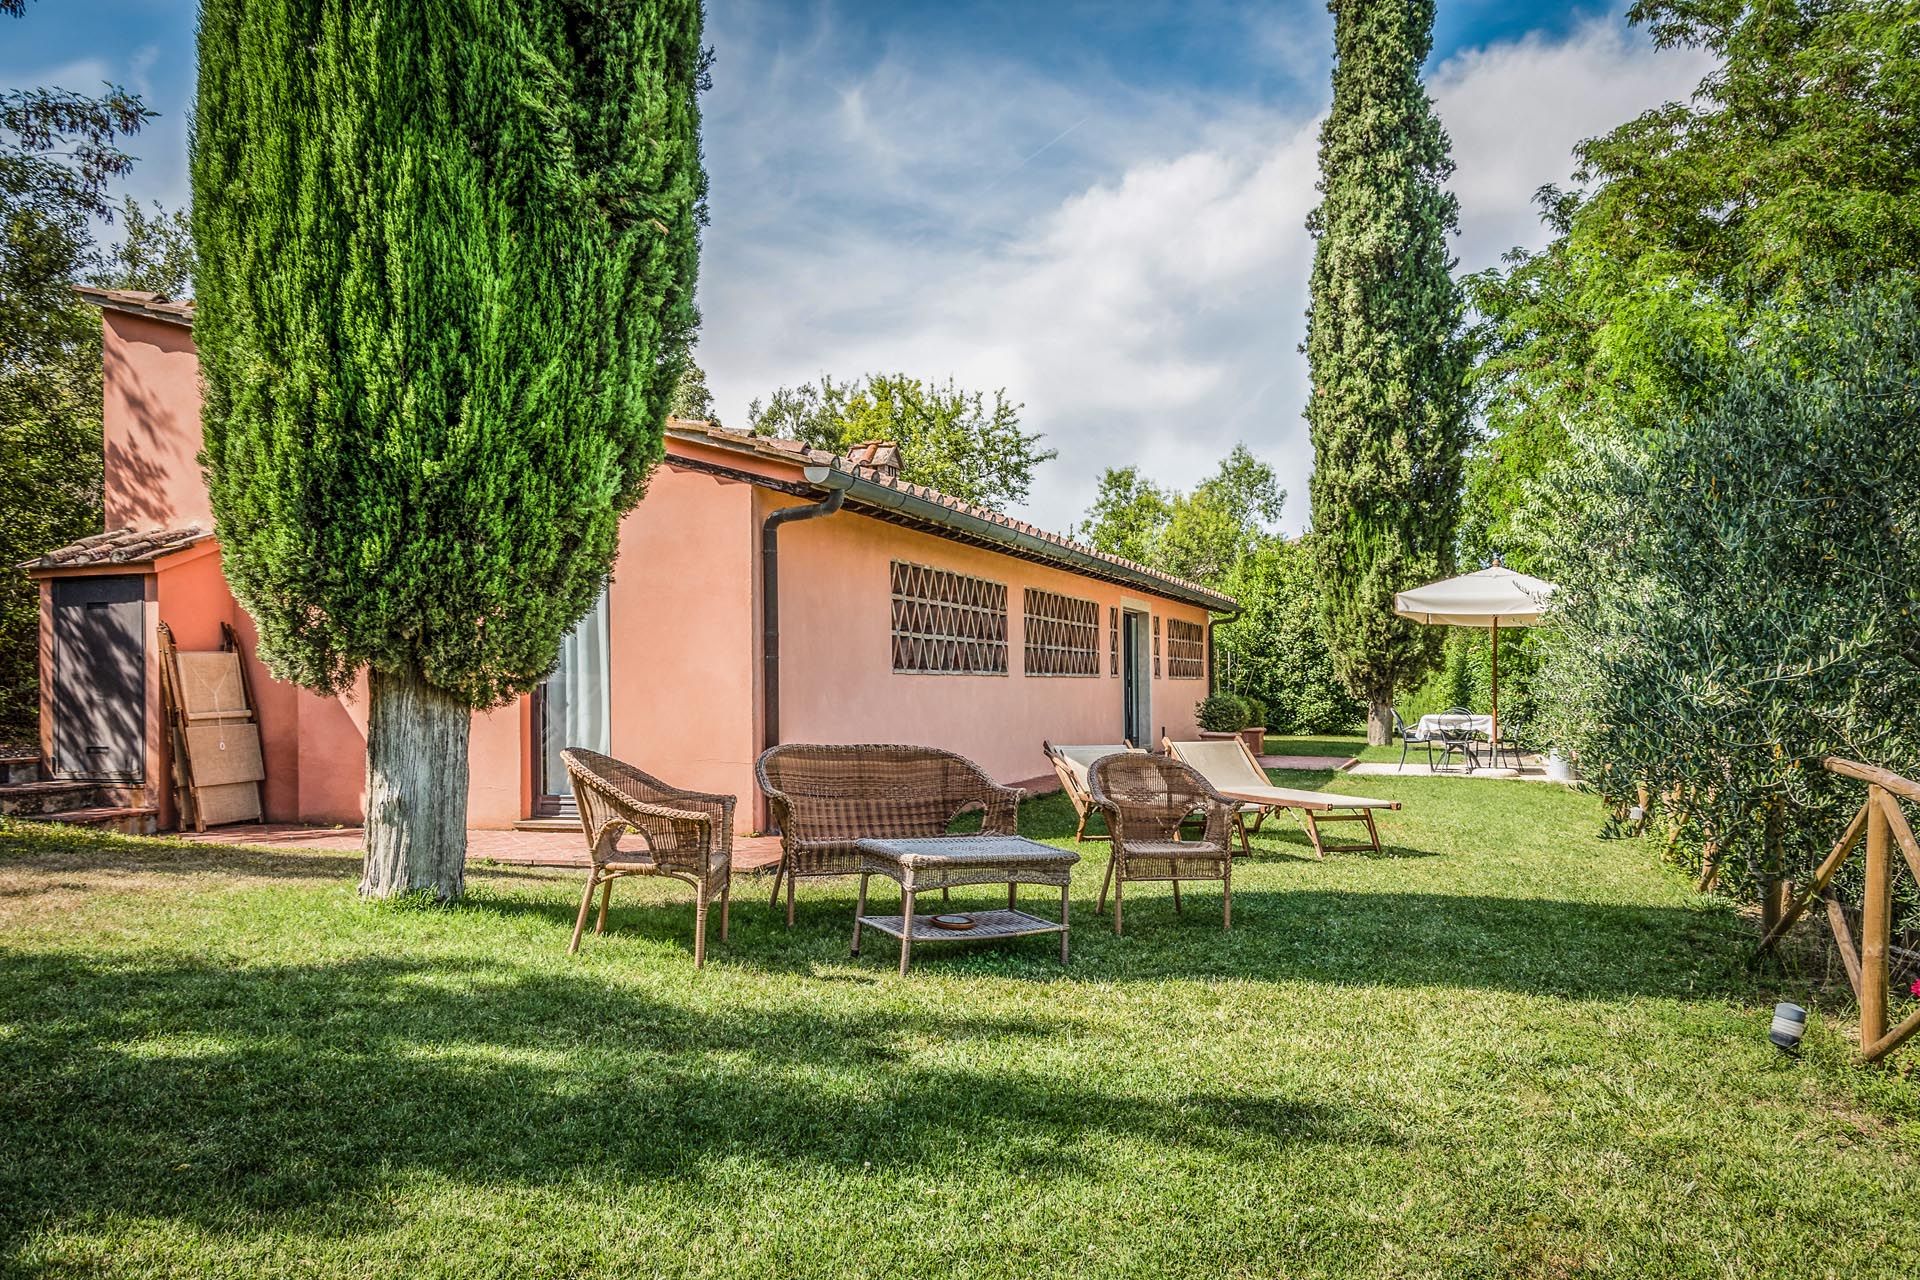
(1221, 713)
(1256, 709)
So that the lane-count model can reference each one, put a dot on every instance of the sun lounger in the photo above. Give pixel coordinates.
(1070, 765)
(1230, 768)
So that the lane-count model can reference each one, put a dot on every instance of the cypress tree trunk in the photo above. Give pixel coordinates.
(1379, 722)
(416, 788)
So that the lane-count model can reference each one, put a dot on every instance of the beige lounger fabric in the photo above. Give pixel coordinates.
(1231, 770)
(1070, 765)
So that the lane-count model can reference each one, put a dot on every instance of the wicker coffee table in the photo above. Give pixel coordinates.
(946, 862)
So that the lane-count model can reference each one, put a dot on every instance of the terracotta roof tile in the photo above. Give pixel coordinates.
(156, 306)
(120, 546)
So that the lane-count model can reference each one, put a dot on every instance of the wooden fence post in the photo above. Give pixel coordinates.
(1875, 920)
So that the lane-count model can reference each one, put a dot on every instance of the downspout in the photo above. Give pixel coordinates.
(827, 478)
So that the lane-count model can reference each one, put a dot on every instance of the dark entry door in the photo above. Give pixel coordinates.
(99, 678)
(1130, 680)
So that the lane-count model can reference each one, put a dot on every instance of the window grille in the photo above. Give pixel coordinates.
(1113, 642)
(1156, 646)
(948, 623)
(1063, 635)
(1186, 650)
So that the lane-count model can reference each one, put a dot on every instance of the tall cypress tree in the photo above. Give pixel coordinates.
(1387, 409)
(445, 291)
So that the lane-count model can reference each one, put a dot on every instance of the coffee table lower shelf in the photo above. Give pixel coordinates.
(997, 924)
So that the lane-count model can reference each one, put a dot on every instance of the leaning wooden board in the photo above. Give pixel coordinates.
(218, 765)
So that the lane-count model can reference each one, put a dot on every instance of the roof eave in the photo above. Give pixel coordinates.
(176, 313)
(867, 492)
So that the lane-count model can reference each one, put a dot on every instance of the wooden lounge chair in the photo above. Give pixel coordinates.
(688, 836)
(824, 799)
(1230, 768)
(1145, 801)
(1070, 765)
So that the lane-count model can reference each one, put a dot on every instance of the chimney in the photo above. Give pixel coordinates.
(882, 457)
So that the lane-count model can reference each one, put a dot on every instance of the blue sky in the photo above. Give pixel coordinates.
(1097, 206)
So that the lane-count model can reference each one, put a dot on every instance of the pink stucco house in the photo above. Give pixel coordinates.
(843, 605)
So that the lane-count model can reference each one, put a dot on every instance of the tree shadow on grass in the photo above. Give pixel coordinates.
(202, 1093)
(1534, 946)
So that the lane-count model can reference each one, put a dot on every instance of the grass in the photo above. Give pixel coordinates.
(1508, 1048)
(1338, 746)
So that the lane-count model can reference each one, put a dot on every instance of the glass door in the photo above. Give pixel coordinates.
(572, 709)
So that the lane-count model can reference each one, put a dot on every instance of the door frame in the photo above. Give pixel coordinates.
(546, 804)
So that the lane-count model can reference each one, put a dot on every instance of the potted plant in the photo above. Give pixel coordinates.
(1255, 730)
(1221, 715)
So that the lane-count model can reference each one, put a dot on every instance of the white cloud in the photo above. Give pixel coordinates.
(1140, 283)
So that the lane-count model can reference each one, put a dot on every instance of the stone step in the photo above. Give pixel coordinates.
(123, 820)
(19, 769)
(548, 824)
(33, 799)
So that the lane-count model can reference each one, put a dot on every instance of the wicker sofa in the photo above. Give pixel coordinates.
(824, 798)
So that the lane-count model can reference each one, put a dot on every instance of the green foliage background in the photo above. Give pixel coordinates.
(1275, 650)
(447, 255)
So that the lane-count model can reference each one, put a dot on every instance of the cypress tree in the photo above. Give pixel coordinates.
(445, 291)
(1387, 409)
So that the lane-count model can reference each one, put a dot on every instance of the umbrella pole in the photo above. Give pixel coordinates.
(1494, 720)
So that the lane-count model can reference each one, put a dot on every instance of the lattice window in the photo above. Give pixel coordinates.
(948, 623)
(1156, 646)
(1063, 635)
(1186, 650)
(1113, 642)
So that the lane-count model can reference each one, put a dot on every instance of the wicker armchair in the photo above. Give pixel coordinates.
(824, 798)
(1145, 799)
(688, 835)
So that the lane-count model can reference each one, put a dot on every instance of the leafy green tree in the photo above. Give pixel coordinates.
(59, 153)
(1387, 408)
(1791, 170)
(1128, 517)
(1199, 535)
(1225, 518)
(1740, 582)
(445, 292)
(950, 439)
(692, 399)
(1275, 648)
(155, 252)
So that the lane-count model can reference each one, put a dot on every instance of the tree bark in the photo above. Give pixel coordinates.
(1379, 722)
(416, 789)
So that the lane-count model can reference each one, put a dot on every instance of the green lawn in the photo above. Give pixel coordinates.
(1509, 1048)
(1340, 746)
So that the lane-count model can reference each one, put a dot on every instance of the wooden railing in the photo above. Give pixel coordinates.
(1883, 824)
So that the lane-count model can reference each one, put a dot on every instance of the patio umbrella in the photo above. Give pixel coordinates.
(1492, 597)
